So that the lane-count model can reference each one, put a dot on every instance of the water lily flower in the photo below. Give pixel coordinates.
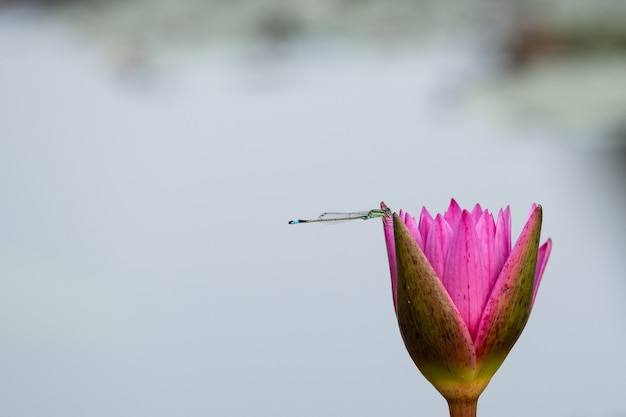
(462, 295)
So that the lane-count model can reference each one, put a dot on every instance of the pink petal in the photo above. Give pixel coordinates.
(502, 243)
(438, 243)
(477, 212)
(391, 253)
(425, 224)
(464, 274)
(486, 230)
(453, 214)
(410, 223)
(542, 261)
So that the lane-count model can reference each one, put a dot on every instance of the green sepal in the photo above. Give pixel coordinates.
(432, 328)
(510, 302)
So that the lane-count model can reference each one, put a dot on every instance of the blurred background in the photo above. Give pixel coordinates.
(152, 152)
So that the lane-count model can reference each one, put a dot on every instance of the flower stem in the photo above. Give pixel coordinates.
(464, 408)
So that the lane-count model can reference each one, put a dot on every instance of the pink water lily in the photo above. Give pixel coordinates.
(462, 295)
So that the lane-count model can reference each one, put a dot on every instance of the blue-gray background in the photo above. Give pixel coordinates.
(146, 264)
